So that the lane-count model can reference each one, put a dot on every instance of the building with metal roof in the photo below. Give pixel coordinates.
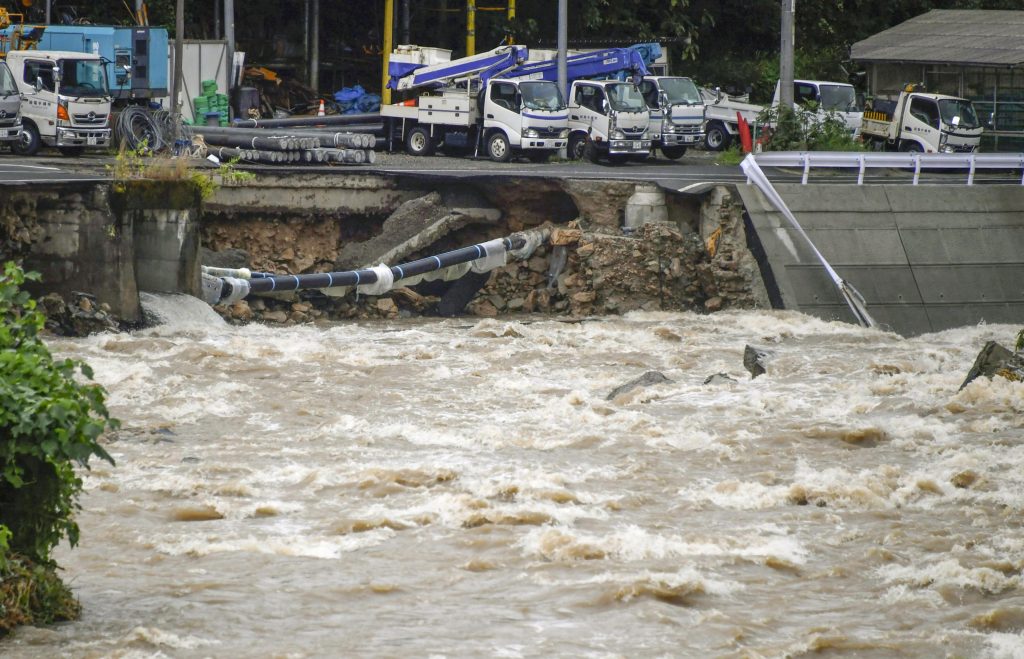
(974, 53)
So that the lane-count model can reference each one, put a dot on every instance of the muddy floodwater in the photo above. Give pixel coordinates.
(464, 488)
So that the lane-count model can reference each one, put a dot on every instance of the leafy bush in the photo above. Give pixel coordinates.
(49, 422)
(804, 130)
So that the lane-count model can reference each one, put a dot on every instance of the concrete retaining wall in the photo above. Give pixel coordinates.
(926, 258)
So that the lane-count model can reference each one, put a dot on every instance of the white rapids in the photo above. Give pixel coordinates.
(465, 488)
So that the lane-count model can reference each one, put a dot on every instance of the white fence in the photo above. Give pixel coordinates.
(971, 162)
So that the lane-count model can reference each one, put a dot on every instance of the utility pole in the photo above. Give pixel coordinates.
(563, 45)
(314, 48)
(406, 38)
(48, 2)
(786, 55)
(229, 36)
(179, 37)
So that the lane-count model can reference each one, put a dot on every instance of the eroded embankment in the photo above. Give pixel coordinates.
(615, 246)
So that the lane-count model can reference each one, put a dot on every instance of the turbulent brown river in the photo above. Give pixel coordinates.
(464, 488)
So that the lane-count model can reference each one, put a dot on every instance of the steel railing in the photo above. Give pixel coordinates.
(971, 162)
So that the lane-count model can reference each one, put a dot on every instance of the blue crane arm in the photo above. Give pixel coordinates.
(405, 75)
(608, 62)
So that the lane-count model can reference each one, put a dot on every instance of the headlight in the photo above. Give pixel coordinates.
(531, 132)
(564, 134)
(617, 134)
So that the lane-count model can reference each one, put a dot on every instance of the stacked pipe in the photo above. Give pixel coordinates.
(282, 146)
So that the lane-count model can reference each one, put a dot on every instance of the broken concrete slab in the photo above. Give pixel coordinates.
(417, 224)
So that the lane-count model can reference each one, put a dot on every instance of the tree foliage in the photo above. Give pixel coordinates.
(49, 423)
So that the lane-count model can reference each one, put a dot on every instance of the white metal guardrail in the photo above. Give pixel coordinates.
(971, 162)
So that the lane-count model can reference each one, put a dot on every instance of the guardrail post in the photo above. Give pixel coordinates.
(917, 168)
(807, 168)
(860, 174)
(970, 172)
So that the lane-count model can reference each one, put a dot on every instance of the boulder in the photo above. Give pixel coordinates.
(719, 378)
(227, 258)
(755, 360)
(994, 359)
(648, 379)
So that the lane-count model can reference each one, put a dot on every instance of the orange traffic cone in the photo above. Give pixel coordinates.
(320, 112)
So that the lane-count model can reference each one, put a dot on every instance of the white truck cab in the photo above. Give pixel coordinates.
(839, 98)
(608, 119)
(467, 105)
(66, 100)
(10, 106)
(677, 113)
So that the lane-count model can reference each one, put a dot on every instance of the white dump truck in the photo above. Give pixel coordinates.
(464, 106)
(921, 122)
(677, 113)
(10, 107)
(65, 100)
(721, 111)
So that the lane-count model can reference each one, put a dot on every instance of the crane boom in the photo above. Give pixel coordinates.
(405, 75)
(604, 62)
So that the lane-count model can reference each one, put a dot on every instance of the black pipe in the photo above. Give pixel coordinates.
(366, 276)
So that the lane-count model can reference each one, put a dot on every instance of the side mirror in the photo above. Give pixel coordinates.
(604, 105)
(39, 84)
(56, 74)
(992, 119)
(718, 94)
(663, 98)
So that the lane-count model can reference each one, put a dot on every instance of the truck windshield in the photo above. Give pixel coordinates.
(955, 107)
(7, 84)
(624, 97)
(838, 98)
(542, 95)
(680, 90)
(83, 77)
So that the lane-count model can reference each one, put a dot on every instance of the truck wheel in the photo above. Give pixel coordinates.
(673, 152)
(71, 151)
(28, 141)
(418, 142)
(590, 152)
(577, 145)
(911, 147)
(498, 147)
(718, 137)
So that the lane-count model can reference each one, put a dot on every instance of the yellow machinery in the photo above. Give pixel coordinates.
(22, 37)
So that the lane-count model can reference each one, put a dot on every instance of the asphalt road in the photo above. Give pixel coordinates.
(692, 173)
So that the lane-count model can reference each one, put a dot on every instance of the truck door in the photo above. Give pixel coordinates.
(590, 104)
(921, 123)
(41, 84)
(804, 92)
(502, 110)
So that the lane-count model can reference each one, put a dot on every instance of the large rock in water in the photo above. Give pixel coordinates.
(755, 360)
(646, 380)
(994, 359)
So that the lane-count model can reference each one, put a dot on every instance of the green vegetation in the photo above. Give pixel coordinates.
(803, 130)
(50, 422)
(1020, 340)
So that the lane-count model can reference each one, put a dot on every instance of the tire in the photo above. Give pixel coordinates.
(418, 142)
(591, 152)
(539, 156)
(911, 147)
(717, 138)
(577, 145)
(28, 142)
(498, 148)
(71, 151)
(673, 152)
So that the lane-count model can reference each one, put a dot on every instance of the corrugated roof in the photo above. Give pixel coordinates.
(984, 37)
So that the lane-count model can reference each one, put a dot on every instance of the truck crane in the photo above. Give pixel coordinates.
(466, 105)
(607, 117)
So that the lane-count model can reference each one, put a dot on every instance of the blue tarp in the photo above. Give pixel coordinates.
(355, 100)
